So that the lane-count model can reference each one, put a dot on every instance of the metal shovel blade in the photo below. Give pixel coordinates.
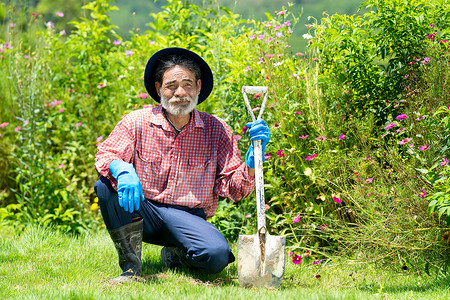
(261, 260)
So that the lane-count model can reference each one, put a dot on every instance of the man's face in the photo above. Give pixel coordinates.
(178, 91)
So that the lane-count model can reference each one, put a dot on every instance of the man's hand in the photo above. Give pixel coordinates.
(258, 130)
(129, 187)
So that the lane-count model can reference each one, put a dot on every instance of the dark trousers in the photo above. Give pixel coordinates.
(173, 226)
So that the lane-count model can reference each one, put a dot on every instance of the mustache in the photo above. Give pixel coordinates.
(178, 99)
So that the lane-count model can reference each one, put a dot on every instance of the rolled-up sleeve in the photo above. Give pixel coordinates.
(119, 145)
(232, 180)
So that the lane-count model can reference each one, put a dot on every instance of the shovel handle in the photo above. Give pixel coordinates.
(259, 176)
(255, 90)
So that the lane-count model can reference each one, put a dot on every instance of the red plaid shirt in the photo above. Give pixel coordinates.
(192, 168)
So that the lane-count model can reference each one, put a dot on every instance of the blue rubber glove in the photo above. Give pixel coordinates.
(258, 130)
(129, 187)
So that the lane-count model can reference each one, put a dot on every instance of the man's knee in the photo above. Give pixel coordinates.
(104, 190)
(216, 258)
(220, 258)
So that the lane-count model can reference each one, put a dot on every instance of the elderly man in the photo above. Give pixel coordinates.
(163, 169)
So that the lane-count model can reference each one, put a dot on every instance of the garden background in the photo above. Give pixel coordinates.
(357, 166)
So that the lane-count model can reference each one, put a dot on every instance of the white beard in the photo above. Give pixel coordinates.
(172, 107)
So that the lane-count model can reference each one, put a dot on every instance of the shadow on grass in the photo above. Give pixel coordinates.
(154, 271)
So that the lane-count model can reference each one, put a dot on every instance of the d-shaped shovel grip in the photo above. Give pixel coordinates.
(259, 176)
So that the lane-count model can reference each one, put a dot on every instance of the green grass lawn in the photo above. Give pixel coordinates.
(43, 264)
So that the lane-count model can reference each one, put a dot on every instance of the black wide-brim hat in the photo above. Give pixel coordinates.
(206, 74)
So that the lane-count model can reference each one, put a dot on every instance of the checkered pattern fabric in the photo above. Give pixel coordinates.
(192, 168)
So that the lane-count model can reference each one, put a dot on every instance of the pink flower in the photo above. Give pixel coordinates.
(317, 262)
(59, 14)
(323, 227)
(99, 138)
(237, 137)
(12, 25)
(392, 125)
(444, 162)
(420, 118)
(50, 25)
(261, 36)
(401, 117)
(117, 42)
(424, 147)
(281, 12)
(142, 95)
(300, 54)
(266, 207)
(280, 153)
(78, 124)
(252, 37)
(400, 130)
(336, 199)
(248, 216)
(342, 136)
(18, 128)
(422, 194)
(369, 180)
(244, 129)
(267, 156)
(147, 106)
(303, 136)
(296, 220)
(296, 259)
(405, 141)
(321, 138)
(101, 85)
(61, 166)
(317, 276)
(311, 157)
(270, 55)
(128, 53)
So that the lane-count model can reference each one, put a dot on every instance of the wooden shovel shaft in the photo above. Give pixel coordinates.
(259, 176)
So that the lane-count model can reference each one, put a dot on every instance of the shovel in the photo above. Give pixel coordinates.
(261, 256)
